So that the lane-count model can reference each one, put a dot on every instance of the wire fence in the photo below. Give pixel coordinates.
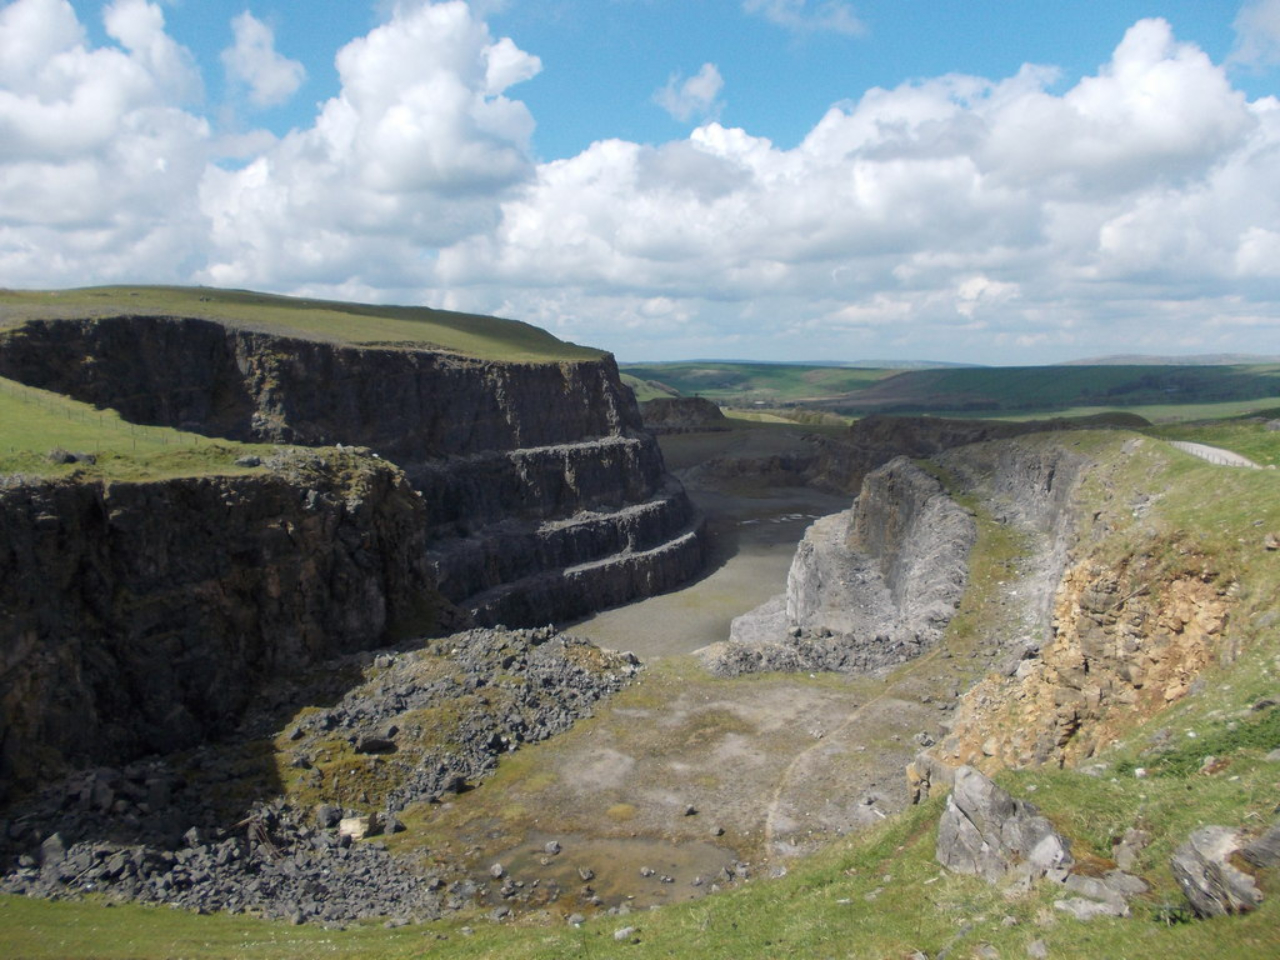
(107, 427)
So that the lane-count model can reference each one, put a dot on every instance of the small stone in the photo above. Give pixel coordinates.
(1038, 950)
(647, 871)
(575, 919)
(552, 847)
(624, 934)
(587, 874)
(1083, 909)
(497, 871)
(690, 811)
(717, 831)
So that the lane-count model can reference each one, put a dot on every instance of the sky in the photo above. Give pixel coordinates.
(976, 181)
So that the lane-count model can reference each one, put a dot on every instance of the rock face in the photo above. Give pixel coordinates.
(986, 832)
(1203, 870)
(666, 415)
(870, 587)
(1118, 636)
(140, 617)
(544, 497)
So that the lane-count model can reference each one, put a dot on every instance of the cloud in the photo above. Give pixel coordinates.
(99, 163)
(954, 217)
(413, 153)
(829, 16)
(954, 212)
(271, 78)
(695, 96)
(1257, 27)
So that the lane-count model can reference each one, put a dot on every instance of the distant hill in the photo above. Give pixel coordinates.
(1045, 389)
(1150, 360)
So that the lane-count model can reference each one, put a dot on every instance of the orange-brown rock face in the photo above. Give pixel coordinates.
(1128, 639)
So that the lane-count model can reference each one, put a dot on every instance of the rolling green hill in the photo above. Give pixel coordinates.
(1172, 392)
(489, 338)
(766, 384)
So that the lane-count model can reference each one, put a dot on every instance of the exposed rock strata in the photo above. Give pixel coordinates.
(1129, 637)
(489, 445)
(870, 587)
(666, 415)
(140, 617)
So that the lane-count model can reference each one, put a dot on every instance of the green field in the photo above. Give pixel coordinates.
(489, 338)
(744, 384)
(1156, 392)
(36, 423)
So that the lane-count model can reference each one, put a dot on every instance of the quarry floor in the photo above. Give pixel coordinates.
(771, 766)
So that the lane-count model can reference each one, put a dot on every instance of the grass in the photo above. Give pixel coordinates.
(1058, 388)
(741, 384)
(35, 422)
(472, 335)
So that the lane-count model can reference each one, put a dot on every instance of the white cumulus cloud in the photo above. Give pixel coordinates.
(692, 97)
(270, 77)
(99, 162)
(962, 215)
(412, 154)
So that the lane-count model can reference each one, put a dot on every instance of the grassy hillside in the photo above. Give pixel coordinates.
(1158, 392)
(469, 334)
(744, 384)
(36, 423)
(1056, 388)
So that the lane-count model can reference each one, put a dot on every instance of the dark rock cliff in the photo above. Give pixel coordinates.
(536, 478)
(138, 617)
(141, 617)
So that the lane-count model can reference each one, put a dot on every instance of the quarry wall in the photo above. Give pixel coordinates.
(139, 617)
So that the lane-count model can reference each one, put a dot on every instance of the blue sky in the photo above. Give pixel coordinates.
(764, 179)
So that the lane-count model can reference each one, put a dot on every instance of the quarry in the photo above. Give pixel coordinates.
(419, 641)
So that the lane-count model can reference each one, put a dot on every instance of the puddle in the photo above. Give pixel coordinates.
(637, 872)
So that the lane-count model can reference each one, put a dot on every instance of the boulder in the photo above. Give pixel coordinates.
(1203, 870)
(985, 831)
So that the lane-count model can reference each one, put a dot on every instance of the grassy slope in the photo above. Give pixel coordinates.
(473, 335)
(1048, 388)
(1158, 393)
(35, 422)
(881, 894)
(747, 383)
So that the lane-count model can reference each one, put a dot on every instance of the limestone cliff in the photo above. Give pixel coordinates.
(873, 586)
(543, 495)
(141, 617)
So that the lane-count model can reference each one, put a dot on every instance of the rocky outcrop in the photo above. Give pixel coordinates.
(141, 617)
(842, 462)
(536, 478)
(417, 724)
(1212, 884)
(1129, 637)
(986, 832)
(870, 587)
(666, 415)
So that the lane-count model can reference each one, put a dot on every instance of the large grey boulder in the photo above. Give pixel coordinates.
(986, 832)
(1203, 870)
